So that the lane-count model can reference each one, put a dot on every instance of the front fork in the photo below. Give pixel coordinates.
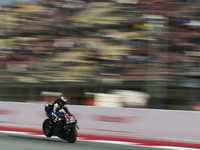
(77, 127)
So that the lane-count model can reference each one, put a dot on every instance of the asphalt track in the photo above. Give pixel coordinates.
(10, 141)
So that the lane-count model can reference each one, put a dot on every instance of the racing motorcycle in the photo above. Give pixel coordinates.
(65, 128)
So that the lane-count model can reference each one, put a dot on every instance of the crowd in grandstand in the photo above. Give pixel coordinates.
(111, 40)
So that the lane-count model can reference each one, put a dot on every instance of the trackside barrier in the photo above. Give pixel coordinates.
(143, 123)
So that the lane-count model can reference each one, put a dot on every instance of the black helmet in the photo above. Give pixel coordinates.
(62, 100)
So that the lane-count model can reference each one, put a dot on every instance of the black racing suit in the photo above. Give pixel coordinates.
(55, 108)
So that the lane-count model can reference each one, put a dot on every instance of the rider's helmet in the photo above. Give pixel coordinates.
(62, 100)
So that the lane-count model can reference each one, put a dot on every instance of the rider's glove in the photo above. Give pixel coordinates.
(56, 119)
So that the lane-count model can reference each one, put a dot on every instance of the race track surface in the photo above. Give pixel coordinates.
(10, 141)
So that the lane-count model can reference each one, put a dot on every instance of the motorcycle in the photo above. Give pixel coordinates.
(65, 128)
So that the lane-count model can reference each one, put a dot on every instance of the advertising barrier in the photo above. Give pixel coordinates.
(132, 122)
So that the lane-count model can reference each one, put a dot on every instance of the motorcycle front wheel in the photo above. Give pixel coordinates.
(46, 128)
(71, 135)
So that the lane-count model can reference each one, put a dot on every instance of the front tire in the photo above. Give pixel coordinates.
(71, 135)
(46, 130)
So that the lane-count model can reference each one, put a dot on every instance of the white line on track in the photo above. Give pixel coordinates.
(104, 141)
(16, 132)
(175, 148)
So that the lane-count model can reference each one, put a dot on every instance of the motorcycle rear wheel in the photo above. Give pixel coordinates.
(48, 132)
(71, 135)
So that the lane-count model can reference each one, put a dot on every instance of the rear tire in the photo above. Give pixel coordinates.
(71, 135)
(48, 132)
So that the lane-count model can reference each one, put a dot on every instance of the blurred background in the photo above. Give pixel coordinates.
(113, 53)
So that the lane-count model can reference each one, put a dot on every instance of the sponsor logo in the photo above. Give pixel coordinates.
(72, 119)
(7, 112)
(118, 119)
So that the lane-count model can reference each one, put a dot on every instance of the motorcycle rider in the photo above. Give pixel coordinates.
(55, 108)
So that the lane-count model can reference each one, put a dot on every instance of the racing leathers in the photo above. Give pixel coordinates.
(55, 109)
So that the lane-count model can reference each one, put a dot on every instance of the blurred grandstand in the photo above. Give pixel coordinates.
(75, 47)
